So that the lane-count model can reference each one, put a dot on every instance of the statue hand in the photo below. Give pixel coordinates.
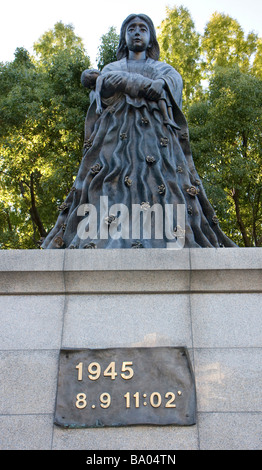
(113, 81)
(99, 110)
(154, 90)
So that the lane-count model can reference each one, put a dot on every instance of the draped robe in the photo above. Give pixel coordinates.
(131, 159)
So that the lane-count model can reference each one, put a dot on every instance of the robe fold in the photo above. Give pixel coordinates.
(135, 173)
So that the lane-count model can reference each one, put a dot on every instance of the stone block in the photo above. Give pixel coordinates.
(170, 438)
(26, 432)
(232, 280)
(111, 282)
(230, 431)
(206, 299)
(226, 270)
(31, 322)
(226, 320)
(127, 320)
(229, 380)
(31, 271)
(123, 260)
(31, 260)
(225, 259)
(28, 381)
(31, 282)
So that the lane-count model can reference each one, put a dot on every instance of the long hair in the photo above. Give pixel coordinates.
(153, 51)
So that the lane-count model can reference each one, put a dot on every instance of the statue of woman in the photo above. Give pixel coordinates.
(137, 169)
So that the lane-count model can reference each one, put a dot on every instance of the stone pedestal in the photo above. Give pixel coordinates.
(209, 300)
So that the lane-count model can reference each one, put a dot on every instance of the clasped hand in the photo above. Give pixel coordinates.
(149, 89)
(113, 82)
(153, 91)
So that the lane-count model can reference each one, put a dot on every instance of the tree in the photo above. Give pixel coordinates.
(43, 106)
(180, 47)
(61, 38)
(107, 48)
(227, 145)
(42, 111)
(224, 44)
(257, 64)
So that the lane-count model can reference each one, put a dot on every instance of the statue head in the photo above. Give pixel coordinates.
(153, 48)
(88, 78)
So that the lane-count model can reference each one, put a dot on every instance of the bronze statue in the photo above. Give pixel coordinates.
(136, 158)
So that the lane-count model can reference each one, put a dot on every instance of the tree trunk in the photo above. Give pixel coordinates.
(8, 220)
(235, 195)
(33, 209)
(259, 242)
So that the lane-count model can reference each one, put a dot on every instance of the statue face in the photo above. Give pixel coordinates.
(137, 35)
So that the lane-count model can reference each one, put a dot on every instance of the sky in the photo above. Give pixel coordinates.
(22, 22)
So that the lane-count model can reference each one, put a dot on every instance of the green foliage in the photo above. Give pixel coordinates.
(227, 145)
(257, 64)
(42, 112)
(43, 107)
(61, 38)
(180, 47)
(224, 44)
(222, 72)
(107, 48)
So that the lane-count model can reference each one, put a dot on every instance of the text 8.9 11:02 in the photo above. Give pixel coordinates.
(136, 400)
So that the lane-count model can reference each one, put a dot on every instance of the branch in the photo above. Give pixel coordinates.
(33, 209)
(235, 196)
(8, 219)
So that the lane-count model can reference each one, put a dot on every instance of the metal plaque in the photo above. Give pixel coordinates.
(125, 386)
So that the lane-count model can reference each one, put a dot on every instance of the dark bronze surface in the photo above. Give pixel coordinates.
(136, 151)
(140, 386)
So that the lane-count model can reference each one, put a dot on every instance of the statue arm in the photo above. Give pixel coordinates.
(173, 85)
(133, 84)
(136, 85)
(154, 90)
